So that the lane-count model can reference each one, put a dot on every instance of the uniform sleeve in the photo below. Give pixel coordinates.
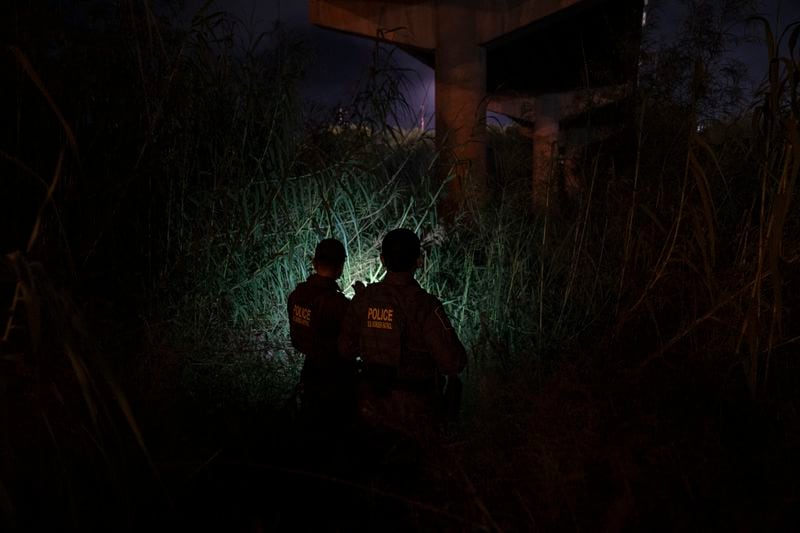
(442, 341)
(348, 335)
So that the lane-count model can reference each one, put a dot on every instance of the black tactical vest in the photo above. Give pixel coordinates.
(312, 331)
(392, 329)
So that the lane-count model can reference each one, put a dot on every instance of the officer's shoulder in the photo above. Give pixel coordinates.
(425, 299)
(337, 294)
(297, 289)
(372, 287)
(371, 290)
(361, 294)
(424, 294)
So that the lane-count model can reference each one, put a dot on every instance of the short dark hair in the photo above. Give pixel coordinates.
(400, 250)
(330, 252)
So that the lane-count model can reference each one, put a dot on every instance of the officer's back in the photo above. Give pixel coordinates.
(405, 341)
(316, 308)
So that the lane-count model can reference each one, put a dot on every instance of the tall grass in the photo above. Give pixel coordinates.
(672, 401)
(64, 393)
(241, 224)
(729, 224)
(776, 123)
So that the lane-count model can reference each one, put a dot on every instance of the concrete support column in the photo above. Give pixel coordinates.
(460, 72)
(573, 180)
(545, 153)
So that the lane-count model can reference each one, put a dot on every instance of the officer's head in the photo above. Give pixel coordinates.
(329, 258)
(400, 251)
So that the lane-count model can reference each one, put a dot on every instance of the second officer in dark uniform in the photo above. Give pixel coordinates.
(405, 342)
(316, 309)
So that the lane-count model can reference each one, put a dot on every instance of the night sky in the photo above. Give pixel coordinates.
(340, 60)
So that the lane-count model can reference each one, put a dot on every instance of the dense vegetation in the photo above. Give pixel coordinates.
(632, 355)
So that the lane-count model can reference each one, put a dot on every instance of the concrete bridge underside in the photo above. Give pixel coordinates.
(536, 61)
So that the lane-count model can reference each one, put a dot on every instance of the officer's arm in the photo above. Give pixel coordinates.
(443, 343)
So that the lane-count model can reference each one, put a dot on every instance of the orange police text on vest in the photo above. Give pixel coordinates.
(380, 317)
(301, 315)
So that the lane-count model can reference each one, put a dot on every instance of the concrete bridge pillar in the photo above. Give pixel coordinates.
(460, 73)
(545, 152)
(535, 49)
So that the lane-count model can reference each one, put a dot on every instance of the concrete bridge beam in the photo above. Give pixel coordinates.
(539, 49)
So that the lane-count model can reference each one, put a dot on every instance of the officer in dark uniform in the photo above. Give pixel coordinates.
(405, 342)
(316, 309)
